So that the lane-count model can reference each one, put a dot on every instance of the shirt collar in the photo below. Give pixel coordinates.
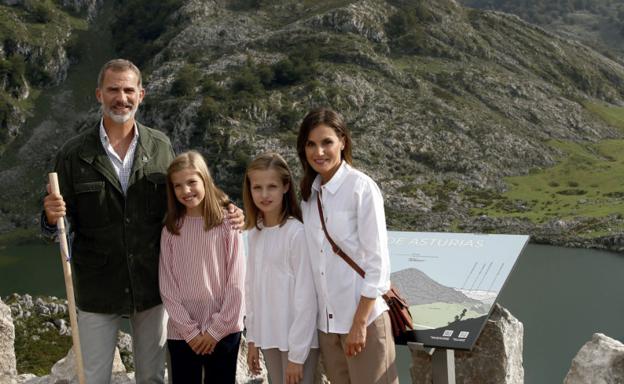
(335, 182)
(104, 136)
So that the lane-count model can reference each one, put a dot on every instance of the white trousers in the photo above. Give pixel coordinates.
(98, 339)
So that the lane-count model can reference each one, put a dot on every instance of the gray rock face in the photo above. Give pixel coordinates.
(124, 344)
(64, 372)
(7, 340)
(366, 18)
(599, 361)
(495, 359)
(90, 7)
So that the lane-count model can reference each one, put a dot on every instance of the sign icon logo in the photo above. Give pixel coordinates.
(447, 333)
(463, 334)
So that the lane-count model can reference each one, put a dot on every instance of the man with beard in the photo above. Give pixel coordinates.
(112, 179)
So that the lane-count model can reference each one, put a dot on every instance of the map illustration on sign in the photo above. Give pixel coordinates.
(451, 281)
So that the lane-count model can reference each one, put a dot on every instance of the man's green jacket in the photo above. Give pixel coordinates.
(116, 238)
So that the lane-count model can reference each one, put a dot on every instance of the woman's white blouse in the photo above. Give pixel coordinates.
(280, 297)
(354, 217)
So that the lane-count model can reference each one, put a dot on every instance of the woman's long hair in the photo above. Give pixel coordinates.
(290, 208)
(314, 118)
(214, 199)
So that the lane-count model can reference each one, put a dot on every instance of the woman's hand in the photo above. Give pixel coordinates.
(253, 359)
(356, 339)
(294, 373)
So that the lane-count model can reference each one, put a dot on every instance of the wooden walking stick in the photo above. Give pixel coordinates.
(69, 284)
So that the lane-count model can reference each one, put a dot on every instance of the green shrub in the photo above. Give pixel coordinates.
(247, 81)
(292, 70)
(288, 118)
(39, 10)
(140, 40)
(184, 84)
(208, 111)
(244, 5)
(209, 87)
(572, 192)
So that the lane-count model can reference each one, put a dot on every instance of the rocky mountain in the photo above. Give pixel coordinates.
(36, 37)
(597, 23)
(419, 289)
(445, 103)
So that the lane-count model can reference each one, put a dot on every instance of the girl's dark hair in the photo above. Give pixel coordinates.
(290, 208)
(314, 118)
(214, 200)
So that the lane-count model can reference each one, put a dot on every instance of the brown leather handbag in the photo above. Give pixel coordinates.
(400, 316)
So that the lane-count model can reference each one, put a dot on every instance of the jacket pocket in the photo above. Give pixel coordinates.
(91, 204)
(156, 196)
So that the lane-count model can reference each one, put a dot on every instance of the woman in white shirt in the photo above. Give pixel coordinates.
(355, 335)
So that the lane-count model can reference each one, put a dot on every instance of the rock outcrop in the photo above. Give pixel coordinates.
(90, 7)
(7, 339)
(599, 361)
(36, 37)
(495, 359)
(64, 372)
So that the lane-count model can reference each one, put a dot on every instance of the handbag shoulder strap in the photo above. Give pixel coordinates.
(334, 246)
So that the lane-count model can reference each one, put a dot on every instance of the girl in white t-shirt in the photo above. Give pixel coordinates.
(280, 297)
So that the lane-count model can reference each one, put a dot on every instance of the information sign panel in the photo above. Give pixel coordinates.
(451, 281)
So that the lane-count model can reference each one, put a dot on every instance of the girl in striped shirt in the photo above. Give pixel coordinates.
(201, 275)
(280, 296)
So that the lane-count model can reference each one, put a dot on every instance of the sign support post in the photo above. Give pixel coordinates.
(442, 362)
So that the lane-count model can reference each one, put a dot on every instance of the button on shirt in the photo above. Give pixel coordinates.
(123, 167)
(355, 219)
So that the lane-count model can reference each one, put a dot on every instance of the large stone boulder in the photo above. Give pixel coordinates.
(495, 359)
(599, 361)
(64, 372)
(7, 341)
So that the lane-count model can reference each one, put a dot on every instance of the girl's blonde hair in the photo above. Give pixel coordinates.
(290, 207)
(214, 200)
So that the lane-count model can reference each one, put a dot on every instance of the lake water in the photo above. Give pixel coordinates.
(562, 295)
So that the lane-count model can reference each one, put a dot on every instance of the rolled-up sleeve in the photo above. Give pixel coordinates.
(373, 239)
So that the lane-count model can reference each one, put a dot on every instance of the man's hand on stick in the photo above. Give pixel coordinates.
(54, 206)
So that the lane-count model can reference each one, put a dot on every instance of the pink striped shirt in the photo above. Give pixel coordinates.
(202, 280)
